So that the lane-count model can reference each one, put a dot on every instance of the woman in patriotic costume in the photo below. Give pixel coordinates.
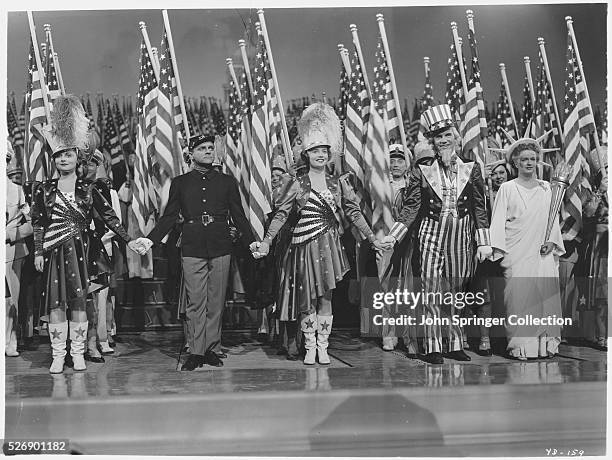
(61, 215)
(530, 260)
(316, 260)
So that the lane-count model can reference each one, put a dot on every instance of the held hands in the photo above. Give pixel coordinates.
(140, 245)
(39, 263)
(484, 252)
(547, 248)
(385, 243)
(259, 249)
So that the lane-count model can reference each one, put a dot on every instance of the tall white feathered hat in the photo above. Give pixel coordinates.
(320, 126)
(69, 126)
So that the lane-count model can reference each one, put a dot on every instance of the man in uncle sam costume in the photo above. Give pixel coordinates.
(447, 199)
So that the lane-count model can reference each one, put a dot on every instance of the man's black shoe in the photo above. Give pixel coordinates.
(94, 359)
(433, 358)
(484, 352)
(220, 354)
(212, 359)
(458, 355)
(193, 362)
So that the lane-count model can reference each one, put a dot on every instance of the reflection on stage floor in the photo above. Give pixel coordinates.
(367, 402)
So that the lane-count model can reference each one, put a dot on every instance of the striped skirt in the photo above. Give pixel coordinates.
(309, 271)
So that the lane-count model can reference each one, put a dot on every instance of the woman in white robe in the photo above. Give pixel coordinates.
(531, 264)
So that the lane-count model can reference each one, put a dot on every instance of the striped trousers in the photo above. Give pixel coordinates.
(447, 263)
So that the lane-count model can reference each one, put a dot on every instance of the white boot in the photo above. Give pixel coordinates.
(58, 333)
(323, 330)
(309, 326)
(106, 348)
(78, 336)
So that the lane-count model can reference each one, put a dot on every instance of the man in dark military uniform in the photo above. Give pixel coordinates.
(206, 198)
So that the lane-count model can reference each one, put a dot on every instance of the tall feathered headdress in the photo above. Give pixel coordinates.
(320, 126)
(69, 125)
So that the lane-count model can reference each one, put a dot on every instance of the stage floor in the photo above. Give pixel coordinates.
(366, 403)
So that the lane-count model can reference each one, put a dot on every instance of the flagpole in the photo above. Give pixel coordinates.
(485, 141)
(230, 66)
(383, 33)
(426, 65)
(344, 59)
(245, 62)
(286, 141)
(552, 89)
(502, 69)
(155, 58)
(176, 74)
(47, 28)
(357, 44)
(460, 59)
(528, 72)
(41, 73)
(347, 59)
(145, 36)
(570, 27)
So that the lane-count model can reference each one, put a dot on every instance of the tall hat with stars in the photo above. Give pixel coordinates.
(319, 126)
(436, 119)
(69, 125)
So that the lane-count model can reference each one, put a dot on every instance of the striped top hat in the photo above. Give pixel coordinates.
(436, 119)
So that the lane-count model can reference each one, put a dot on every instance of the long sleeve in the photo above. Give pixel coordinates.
(171, 213)
(481, 219)
(350, 205)
(285, 203)
(497, 229)
(238, 216)
(410, 206)
(39, 218)
(105, 210)
(107, 237)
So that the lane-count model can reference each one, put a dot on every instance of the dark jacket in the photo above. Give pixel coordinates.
(294, 197)
(88, 196)
(194, 194)
(423, 198)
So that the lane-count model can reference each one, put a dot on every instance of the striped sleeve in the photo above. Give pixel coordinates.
(482, 237)
(398, 231)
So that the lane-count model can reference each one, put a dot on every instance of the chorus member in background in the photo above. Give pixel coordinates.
(18, 227)
(448, 199)
(530, 261)
(61, 214)
(206, 198)
(316, 260)
(399, 163)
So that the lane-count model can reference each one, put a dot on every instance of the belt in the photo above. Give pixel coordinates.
(206, 219)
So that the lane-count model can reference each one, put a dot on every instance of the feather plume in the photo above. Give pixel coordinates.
(70, 124)
(321, 119)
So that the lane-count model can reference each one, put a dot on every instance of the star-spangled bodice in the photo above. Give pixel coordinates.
(67, 220)
(316, 217)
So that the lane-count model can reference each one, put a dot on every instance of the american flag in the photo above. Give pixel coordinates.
(427, 101)
(124, 135)
(357, 115)
(144, 202)
(504, 117)
(377, 147)
(578, 124)
(168, 122)
(475, 127)
(15, 132)
(260, 188)
(245, 142)
(543, 111)
(50, 71)
(36, 152)
(526, 108)
(232, 136)
(194, 127)
(454, 88)
(218, 118)
(111, 142)
(100, 120)
(415, 125)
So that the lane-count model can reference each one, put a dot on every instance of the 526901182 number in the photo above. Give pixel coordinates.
(34, 446)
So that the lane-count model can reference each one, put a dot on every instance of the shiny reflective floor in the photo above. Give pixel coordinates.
(367, 402)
